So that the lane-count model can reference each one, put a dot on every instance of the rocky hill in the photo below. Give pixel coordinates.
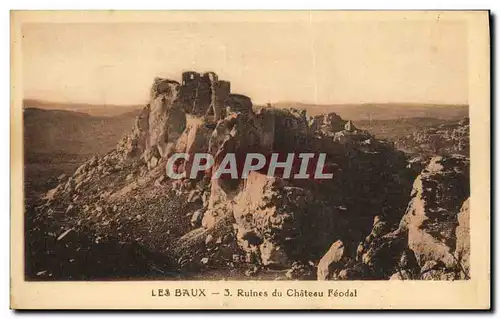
(118, 215)
(52, 131)
(98, 110)
(444, 139)
(56, 142)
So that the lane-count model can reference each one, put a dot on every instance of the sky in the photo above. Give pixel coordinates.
(324, 62)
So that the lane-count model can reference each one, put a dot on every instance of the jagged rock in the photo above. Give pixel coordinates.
(164, 115)
(277, 206)
(197, 218)
(267, 214)
(427, 234)
(462, 251)
(331, 259)
(194, 138)
(431, 217)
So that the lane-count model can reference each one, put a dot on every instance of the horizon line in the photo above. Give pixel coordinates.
(255, 103)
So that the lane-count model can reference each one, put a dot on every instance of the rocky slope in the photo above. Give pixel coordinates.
(56, 142)
(191, 226)
(443, 139)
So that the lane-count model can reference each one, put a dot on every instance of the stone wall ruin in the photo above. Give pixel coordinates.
(204, 94)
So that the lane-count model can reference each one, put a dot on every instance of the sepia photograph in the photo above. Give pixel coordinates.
(214, 158)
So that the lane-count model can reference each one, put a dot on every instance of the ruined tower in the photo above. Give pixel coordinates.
(204, 95)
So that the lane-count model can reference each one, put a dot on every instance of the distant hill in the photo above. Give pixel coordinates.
(58, 141)
(90, 109)
(60, 131)
(394, 129)
(381, 111)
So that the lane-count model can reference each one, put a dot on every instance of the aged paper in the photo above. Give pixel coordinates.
(250, 160)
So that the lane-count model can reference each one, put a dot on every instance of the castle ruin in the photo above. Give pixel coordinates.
(204, 94)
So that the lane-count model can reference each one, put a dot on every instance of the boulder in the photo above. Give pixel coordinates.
(431, 217)
(331, 259)
(268, 214)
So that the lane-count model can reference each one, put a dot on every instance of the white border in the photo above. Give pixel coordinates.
(214, 4)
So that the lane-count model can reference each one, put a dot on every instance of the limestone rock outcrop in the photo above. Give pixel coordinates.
(431, 240)
(431, 218)
(269, 221)
(333, 256)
